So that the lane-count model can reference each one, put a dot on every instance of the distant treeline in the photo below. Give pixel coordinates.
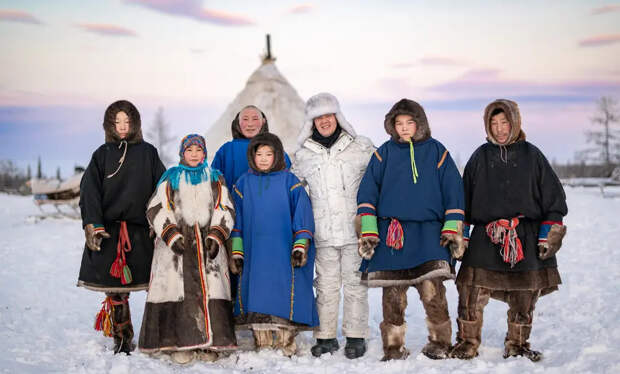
(12, 179)
(583, 170)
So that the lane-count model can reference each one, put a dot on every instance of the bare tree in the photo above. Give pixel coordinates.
(606, 135)
(39, 172)
(159, 135)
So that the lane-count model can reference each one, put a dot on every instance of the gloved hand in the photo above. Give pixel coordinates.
(177, 246)
(236, 265)
(213, 247)
(366, 246)
(548, 249)
(455, 243)
(94, 236)
(299, 258)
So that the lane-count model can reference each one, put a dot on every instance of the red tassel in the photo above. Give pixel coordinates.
(103, 320)
(119, 268)
(395, 235)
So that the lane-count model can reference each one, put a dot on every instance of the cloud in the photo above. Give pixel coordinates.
(194, 9)
(605, 9)
(430, 61)
(488, 84)
(600, 40)
(18, 16)
(106, 30)
(301, 8)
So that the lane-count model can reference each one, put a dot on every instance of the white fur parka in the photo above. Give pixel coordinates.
(332, 175)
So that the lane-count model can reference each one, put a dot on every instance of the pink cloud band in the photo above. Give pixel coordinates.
(600, 40)
(18, 16)
(106, 30)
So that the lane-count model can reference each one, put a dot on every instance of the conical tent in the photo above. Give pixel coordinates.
(273, 94)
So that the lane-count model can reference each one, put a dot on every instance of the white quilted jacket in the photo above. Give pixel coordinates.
(333, 176)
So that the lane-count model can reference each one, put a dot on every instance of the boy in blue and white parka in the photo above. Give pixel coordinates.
(411, 209)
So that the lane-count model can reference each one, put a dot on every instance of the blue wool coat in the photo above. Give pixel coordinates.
(420, 207)
(273, 210)
(232, 160)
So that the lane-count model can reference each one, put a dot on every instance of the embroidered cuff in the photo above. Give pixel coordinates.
(466, 229)
(300, 245)
(366, 208)
(450, 227)
(237, 247)
(369, 225)
(235, 233)
(218, 234)
(545, 226)
(98, 228)
(302, 234)
(454, 215)
(169, 233)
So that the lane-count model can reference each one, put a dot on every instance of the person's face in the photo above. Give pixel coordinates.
(122, 124)
(405, 126)
(250, 121)
(500, 128)
(264, 158)
(326, 124)
(193, 155)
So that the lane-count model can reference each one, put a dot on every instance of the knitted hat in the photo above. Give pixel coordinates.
(192, 139)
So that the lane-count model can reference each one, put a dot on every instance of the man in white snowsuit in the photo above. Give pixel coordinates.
(331, 161)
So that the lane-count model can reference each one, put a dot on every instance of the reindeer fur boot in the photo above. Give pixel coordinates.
(468, 339)
(393, 341)
(439, 340)
(516, 342)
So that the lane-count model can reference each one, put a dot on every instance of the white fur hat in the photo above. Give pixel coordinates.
(318, 105)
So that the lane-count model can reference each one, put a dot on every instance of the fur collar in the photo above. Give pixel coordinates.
(511, 109)
(415, 110)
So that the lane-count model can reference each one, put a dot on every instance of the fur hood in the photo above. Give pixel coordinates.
(415, 110)
(135, 128)
(274, 142)
(318, 105)
(235, 128)
(511, 109)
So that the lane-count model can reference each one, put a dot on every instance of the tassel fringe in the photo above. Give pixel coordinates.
(395, 236)
(504, 233)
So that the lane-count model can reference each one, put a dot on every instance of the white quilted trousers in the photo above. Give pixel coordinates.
(338, 267)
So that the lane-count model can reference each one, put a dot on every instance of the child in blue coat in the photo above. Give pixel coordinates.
(272, 249)
(411, 210)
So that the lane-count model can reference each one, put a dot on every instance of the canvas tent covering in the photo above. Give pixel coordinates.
(268, 90)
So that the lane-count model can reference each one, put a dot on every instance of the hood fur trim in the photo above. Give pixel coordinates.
(235, 128)
(318, 105)
(274, 142)
(415, 110)
(511, 109)
(135, 129)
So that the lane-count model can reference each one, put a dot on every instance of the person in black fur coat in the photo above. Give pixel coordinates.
(114, 191)
(516, 204)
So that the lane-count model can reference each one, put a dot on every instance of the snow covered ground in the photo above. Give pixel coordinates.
(46, 322)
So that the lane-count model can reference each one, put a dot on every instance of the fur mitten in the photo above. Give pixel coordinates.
(177, 246)
(213, 247)
(299, 257)
(549, 245)
(94, 235)
(366, 246)
(236, 265)
(452, 237)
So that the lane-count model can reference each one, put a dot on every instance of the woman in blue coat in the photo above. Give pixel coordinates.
(231, 158)
(272, 249)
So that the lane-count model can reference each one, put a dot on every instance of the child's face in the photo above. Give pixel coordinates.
(193, 155)
(250, 121)
(326, 124)
(405, 126)
(500, 128)
(122, 124)
(264, 158)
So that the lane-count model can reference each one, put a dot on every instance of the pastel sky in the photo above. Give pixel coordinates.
(64, 61)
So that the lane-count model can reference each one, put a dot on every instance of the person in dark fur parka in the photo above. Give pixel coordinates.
(516, 204)
(411, 209)
(114, 191)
